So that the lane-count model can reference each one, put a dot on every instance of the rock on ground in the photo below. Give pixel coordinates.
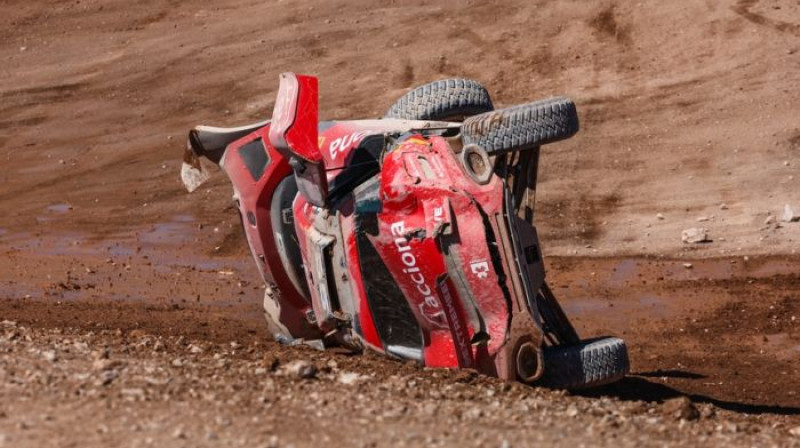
(789, 214)
(695, 235)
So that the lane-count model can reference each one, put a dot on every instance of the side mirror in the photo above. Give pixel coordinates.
(293, 132)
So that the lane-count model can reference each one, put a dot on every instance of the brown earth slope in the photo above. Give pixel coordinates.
(685, 105)
(689, 112)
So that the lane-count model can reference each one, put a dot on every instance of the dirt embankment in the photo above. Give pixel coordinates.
(688, 116)
(688, 108)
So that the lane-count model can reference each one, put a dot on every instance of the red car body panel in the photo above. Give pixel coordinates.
(413, 200)
(427, 199)
(254, 196)
(379, 234)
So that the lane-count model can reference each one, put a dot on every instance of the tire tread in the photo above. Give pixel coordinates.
(522, 127)
(447, 99)
(589, 364)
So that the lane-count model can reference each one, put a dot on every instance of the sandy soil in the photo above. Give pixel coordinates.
(689, 111)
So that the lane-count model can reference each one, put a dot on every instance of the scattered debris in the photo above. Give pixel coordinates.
(680, 408)
(350, 378)
(134, 393)
(300, 369)
(706, 411)
(107, 377)
(50, 355)
(137, 334)
(179, 433)
(695, 235)
(728, 427)
(572, 412)
(789, 215)
(104, 364)
(147, 378)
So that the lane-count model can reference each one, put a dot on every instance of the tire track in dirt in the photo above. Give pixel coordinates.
(743, 8)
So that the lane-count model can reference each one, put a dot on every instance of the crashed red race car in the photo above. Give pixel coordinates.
(411, 235)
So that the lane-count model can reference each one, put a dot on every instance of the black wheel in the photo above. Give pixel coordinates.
(522, 127)
(590, 363)
(444, 100)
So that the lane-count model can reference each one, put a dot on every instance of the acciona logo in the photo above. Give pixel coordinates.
(429, 307)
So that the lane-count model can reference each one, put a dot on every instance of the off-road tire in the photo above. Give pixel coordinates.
(591, 363)
(444, 100)
(522, 127)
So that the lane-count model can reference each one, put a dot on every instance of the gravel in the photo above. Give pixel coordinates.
(300, 369)
(680, 408)
(261, 395)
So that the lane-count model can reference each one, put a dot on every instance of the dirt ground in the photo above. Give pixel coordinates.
(130, 309)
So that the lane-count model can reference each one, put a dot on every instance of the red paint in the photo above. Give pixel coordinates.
(430, 208)
(255, 197)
